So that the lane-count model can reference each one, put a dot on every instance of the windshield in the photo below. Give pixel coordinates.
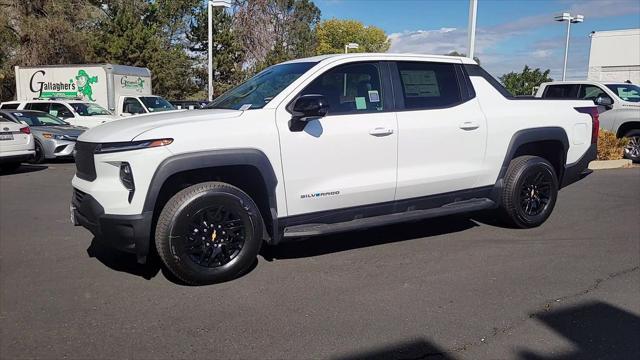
(626, 92)
(256, 92)
(89, 109)
(39, 119)
(155, 104)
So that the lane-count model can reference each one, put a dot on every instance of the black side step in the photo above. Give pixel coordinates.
(448, 209)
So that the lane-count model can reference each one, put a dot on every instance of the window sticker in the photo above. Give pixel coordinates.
(245, 107)
(374, 97)
(361, 103)
(53, 112)
(420, 83)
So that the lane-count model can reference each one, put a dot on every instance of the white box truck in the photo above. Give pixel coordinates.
(123, 90)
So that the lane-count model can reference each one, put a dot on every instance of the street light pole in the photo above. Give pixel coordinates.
(570, 20)
(471, 33)
(210, 5)
(566, 51)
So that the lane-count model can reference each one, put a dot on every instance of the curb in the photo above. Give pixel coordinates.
(609, 164)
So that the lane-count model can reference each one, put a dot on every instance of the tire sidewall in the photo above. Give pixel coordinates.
(636, 134)
(180, 262)
(531, 166)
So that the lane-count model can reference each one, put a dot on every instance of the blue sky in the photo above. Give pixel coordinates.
(510, 33)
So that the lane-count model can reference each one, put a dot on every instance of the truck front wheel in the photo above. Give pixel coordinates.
(632, 149)
(530, 191)
(208, 233)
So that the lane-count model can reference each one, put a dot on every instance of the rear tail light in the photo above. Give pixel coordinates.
(595, 121)
(25, 130)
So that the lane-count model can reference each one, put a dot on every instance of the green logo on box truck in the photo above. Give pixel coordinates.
(74, 88)
(137, 84)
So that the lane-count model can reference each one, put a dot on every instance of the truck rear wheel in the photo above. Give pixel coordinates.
(530, 191)
(208, 233)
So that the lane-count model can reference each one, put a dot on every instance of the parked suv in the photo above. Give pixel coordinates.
(619, 107)
(322, 145)
(75, 112)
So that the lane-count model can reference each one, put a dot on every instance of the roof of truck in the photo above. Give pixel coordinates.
(586, 82)
(385, 56)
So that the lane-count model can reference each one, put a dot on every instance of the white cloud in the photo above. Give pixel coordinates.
(545, 54)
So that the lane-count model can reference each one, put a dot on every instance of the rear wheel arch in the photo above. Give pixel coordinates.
(550, 143)
(626, 127)
(247, 169)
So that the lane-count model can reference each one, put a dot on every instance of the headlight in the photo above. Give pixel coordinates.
(131, 145)
(126, 178)
(53, 136)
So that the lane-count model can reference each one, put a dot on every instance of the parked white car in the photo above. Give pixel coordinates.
(16, 144)
(74, 112)
(322, 145)
(619, 105)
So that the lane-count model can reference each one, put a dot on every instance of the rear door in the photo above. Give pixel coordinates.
(442, 130)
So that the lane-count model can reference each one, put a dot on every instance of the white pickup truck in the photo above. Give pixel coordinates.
(619, 106)
(322, 145)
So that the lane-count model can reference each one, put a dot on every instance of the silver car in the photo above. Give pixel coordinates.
(54, 138)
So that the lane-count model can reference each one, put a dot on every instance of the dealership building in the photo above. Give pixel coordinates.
(615, 56)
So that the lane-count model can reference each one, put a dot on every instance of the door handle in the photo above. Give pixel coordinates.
(469, 125)
(380, 131)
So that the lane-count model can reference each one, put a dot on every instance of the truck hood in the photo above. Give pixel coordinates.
(128, 128)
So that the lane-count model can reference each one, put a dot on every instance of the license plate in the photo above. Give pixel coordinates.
(6, 136)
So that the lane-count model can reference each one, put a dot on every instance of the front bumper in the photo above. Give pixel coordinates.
(130, 233)
(579, 169)
(58, 148)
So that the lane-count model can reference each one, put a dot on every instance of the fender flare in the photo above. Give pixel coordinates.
(215, 158)
(526, 136)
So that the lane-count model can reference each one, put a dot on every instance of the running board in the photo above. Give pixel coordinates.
(362, 223)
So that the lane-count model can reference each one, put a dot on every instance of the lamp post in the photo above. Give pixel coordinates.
(350, 46)
(473, 10)
(210, 5)
(570, 20)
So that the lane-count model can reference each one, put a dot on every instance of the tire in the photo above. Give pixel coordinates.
(38, 158)
(530, 192)
(209, 233)
(632, 150)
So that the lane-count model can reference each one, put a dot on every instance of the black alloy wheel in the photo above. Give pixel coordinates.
(530, 191)
(214, 236)
(208, 233)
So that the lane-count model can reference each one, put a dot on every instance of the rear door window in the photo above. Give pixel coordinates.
(564, 91)
(38, 106)
(428, 85)
(9, 106)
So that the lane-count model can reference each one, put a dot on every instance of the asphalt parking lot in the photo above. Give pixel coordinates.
(448, 288)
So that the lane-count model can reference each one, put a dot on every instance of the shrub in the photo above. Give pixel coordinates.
(609, 146)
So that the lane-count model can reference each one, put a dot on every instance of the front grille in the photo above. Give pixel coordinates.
(85, 166)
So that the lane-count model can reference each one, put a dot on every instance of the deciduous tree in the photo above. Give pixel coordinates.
(524, 82)
(333, 34)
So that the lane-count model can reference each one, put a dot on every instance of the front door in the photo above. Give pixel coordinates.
(347, 158)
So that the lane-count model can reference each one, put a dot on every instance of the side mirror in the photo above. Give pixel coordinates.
(603, 101)
(309, 106)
